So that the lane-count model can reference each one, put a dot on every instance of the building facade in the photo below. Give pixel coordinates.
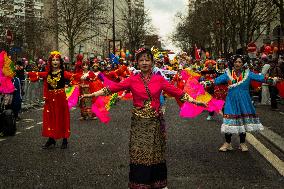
(18, 17)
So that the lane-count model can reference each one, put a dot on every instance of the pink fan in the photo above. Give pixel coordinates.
(100, 110)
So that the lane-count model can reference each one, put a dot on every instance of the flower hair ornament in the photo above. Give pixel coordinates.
(55, 54)
(139, 51)
(235, 57)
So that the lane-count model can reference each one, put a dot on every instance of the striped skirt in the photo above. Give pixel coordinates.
(147, 153)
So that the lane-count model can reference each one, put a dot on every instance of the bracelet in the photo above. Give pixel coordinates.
(187, 98)
(106, 91)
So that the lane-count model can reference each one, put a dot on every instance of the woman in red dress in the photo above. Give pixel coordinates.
(89, 84)
(177, 80)
(56, 116)
(220, 91)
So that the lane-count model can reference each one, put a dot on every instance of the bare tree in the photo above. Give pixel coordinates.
(77, 22)
(26, 28)
(280, 5)
(137, 26)
(223, 25)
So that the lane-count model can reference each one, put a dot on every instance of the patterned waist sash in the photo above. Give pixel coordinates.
(144, 112)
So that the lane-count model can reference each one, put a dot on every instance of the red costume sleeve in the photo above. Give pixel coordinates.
(68, 75)
(91, 76)
(75, 80)
(34, 76)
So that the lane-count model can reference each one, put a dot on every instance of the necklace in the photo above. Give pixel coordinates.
(236, 78)
(53, 81)
(56, 72)
(146, 78)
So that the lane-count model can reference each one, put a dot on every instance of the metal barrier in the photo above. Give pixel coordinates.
(33, 93)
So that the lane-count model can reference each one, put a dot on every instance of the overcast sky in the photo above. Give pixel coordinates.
(162, 13)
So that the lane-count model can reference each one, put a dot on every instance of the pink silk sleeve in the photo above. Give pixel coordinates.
(171, 89)
(121, 86)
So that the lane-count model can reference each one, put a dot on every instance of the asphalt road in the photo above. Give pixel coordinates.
(97, 155)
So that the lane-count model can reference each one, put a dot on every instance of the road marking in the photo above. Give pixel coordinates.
(2, 140)
(277, 163)
(39, 123)
(30, 127)
(28, 120)
(18, 133)
(273, 137)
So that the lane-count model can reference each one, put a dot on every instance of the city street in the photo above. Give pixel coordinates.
(98, 54)
(97, 154)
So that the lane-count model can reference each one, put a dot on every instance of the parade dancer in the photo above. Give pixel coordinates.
(239, 113)
(78, 64)
(110, 74)
(147, 136)
(220, 91)
(86, 78)
(56, 116)
(178, 80)
(208, 74)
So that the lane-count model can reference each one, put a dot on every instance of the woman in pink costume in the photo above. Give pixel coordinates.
(147, 136)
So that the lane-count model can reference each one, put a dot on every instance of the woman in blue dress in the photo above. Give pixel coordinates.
(239, 113)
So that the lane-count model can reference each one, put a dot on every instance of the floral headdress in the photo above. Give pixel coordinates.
(55, 54)
(139, 51)
(244, 58)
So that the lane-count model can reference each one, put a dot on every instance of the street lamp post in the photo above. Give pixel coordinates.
(113, 29)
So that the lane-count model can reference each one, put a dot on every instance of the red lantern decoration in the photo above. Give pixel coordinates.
(267, 49)
(251, 48)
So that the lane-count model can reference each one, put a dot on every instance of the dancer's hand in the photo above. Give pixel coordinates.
(202, 104)
(85, 96)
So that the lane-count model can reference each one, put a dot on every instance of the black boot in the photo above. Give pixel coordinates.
(49, 143)
(64, 143)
